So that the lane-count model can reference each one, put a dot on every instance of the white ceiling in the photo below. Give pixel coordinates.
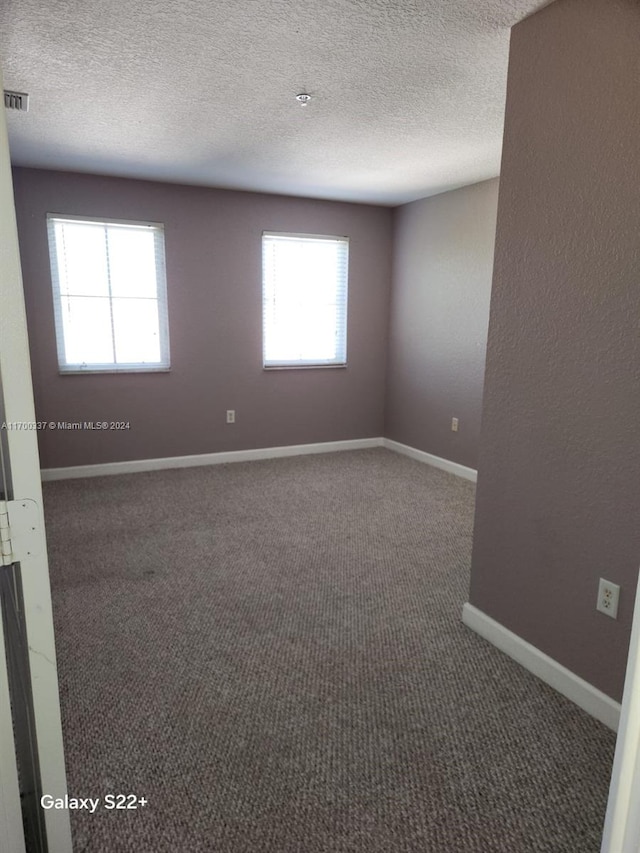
(408, 95)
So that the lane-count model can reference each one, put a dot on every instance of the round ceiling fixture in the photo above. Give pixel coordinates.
(303, 98)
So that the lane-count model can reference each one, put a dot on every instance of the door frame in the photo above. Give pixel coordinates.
(24, 462)
(621, 832)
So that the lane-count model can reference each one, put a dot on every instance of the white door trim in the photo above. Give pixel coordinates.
(622, 822)
(17, 391)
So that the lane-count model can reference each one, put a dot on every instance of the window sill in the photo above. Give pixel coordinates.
(112, 371)
(276, 367)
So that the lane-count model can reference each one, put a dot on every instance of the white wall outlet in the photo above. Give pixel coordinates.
(608, 595)
(231, 416)
(454, 425)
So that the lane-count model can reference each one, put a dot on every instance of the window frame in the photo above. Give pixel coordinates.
(272, 364)
(71, 368)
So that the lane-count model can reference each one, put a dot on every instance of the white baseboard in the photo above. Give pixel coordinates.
(136, 465)
(585, 695)
(430, 459)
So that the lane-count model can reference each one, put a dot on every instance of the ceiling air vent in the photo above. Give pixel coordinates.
(16, 101)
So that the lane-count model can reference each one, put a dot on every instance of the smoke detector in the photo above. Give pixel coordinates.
(16, 101)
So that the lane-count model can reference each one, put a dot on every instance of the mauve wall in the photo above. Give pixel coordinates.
(443, 259)
(558, 496)
(213, 254)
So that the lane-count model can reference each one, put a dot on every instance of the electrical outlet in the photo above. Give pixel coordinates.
(608, 595)
(454, 425)
(231, 416)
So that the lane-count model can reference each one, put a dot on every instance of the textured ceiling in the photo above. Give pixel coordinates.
(408, 95)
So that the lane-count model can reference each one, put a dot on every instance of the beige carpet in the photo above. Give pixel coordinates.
(272, 654)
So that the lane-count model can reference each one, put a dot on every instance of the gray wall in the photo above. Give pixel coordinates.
(443, 258)
(559, 475)
(213, 248)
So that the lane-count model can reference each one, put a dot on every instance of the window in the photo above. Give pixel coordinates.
(304, 300)
(109, 295)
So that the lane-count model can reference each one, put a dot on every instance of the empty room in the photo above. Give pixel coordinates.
(319, 371)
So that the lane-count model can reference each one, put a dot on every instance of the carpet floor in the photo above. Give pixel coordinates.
(272, 654)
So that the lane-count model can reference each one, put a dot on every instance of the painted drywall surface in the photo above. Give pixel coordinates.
(443, 259)
(559, 475)
(213, 256)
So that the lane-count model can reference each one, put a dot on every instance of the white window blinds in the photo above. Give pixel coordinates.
(109, 292)
(304, 300)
